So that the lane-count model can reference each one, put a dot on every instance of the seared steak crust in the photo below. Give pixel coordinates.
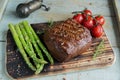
(67, 39)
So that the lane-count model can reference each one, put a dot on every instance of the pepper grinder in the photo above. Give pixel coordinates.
(23, 10)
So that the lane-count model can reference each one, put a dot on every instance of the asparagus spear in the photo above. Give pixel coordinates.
(19, 45)
(39, 42)
(27, 39)
(28, 42)
(39, 69)
(39, 66)
(33, 40)
(30, 53)
(42, 47)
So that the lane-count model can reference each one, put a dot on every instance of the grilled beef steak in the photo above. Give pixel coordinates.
(67, 39)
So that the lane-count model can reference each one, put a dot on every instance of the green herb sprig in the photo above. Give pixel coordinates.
(99, 49)
(50, 23)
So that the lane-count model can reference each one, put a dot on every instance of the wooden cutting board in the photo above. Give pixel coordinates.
(17, 68)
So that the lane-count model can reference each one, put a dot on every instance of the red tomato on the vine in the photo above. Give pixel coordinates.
(97, 31)
(88, 22)
(78, 17)
(87, 12)
(99, 20)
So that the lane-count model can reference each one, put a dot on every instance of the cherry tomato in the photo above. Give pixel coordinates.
(97, 31)
(99, 20)
(78, 17)
(88, 22)
(87, 12)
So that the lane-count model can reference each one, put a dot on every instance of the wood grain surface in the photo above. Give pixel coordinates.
(17, 68)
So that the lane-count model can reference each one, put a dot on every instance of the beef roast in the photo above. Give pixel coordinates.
(67, 39)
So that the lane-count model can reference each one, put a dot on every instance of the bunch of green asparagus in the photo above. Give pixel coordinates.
(30, 46)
